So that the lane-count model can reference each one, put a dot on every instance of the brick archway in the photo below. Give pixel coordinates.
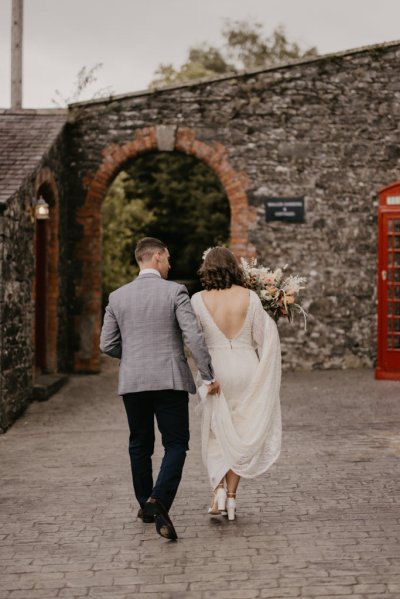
(89, 248)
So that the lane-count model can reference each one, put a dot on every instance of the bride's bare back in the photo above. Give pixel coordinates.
(228, 308)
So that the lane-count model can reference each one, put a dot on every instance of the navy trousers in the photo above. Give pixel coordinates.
(171, 410)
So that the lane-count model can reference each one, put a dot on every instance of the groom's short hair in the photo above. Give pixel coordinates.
(146, 247)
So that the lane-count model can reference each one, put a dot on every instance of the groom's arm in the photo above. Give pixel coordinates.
(110, 338)
(192, 335)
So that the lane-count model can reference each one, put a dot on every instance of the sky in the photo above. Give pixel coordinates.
(132, 37)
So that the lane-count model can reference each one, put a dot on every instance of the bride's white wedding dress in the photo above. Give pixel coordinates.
(241, 428)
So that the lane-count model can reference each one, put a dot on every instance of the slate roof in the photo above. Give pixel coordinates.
(25, 136)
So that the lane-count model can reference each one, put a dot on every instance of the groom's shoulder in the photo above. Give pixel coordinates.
(166, 284)
(136, 286)
(175, 291)
(167, 291)
(121, 290)
(175, 287)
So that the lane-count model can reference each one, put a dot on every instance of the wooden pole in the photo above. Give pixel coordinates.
(16, 53)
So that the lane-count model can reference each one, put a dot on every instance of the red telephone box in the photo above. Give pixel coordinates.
(388, 366)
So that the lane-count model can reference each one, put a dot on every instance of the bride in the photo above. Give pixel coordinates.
(241, 427)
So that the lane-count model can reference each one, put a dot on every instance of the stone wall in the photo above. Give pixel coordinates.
(16, 311)
(325, 129)
(16, 292)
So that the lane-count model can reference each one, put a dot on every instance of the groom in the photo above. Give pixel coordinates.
(145, 325)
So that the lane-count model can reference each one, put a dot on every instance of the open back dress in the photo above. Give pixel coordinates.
(241, 427)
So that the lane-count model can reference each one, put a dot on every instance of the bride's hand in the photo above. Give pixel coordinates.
(214, 388)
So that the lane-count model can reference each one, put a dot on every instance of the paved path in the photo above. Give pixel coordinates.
(324, 523)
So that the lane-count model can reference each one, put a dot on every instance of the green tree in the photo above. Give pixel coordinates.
(124, 223)
(188, 204)
(245, 47)
(167, 195)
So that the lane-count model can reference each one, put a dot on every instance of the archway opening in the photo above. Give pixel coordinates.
(45, 288)
(169, 195)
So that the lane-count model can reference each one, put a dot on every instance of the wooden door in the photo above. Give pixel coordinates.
(389, 284)
(41, 296)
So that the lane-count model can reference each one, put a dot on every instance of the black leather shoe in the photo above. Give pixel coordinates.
(147, 518)
(164, 527)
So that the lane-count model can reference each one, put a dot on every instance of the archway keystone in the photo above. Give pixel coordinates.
(88, 250)
(166, 135)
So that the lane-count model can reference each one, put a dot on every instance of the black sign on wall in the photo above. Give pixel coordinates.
(290, 210)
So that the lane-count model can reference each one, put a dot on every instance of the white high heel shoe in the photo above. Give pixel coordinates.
(218, 506)
(231, 506)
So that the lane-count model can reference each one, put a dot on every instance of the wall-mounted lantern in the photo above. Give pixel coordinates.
(40, 209)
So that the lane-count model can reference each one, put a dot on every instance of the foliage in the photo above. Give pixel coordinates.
(181, 202)
(189, 205)
(124, 223)
(248, 49)
(84, 79)
(245, 47)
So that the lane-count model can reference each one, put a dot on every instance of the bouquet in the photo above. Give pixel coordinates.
(278, 293)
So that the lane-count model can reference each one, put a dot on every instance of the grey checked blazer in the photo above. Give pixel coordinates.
(145, 325)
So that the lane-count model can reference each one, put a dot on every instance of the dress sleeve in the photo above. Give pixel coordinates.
(258, 324)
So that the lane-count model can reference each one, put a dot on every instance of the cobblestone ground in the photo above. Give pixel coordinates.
(324, 522)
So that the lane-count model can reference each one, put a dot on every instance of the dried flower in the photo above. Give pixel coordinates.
(278, 294)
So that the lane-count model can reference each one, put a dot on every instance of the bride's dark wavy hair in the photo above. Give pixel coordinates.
(220, 270)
